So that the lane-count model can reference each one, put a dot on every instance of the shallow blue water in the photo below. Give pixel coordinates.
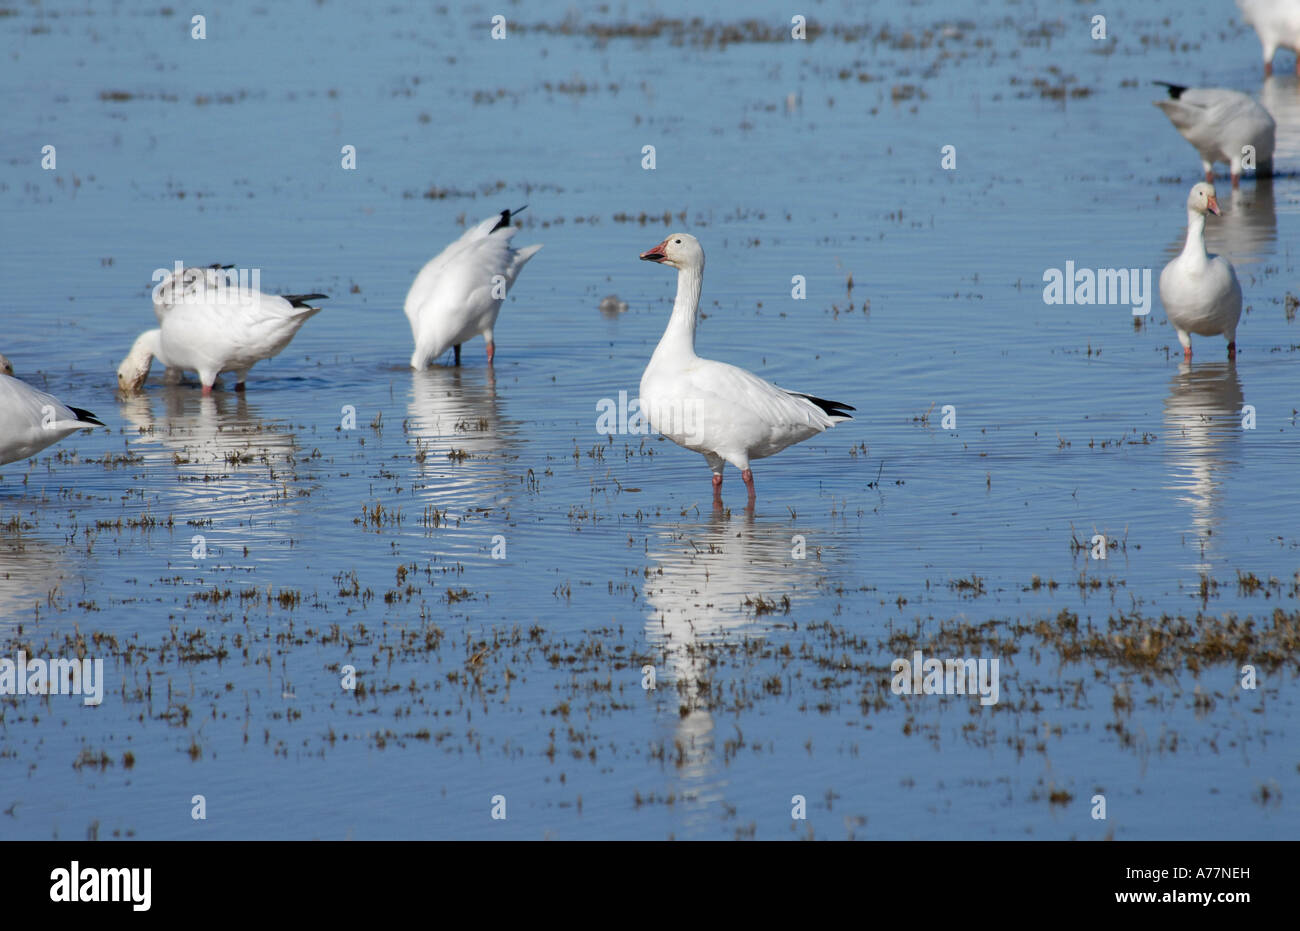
(522, 676)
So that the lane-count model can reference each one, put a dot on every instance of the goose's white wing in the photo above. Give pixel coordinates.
(722, 408)
(459, 302)
(232, 334)
(422, 289)
(1219, 121)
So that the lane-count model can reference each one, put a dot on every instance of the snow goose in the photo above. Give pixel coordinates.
(211, 327)
(1200, 291)
(722, 411)
(1219, 124)
(1277, 23)
(31, 420)
(458, 293)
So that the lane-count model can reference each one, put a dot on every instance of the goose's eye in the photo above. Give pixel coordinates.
(678, 241)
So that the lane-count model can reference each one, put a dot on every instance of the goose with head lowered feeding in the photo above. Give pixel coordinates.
(722, 411)
(1223, 126)
(1277, 23)
(458, 293)
(31, 420)
(1200, 292)
(211, 324)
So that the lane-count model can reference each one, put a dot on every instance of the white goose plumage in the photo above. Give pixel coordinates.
(211, 325)
(1200, 292)
(31, 420)
(1277, 23)
(722, 411)
(1220, 123)
(458, 293)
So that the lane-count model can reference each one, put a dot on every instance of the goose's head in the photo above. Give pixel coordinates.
(6, 366)
(135, 367)
(1202, 199)
(680, 250)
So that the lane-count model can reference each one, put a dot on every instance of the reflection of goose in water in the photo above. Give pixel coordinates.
(696, 594)
(458, 437)
(1245, 232)
(29, 570)
(228, 463)
(1281, 94)
(1202, 437)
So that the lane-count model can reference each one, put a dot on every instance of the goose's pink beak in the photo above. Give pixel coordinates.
(1214, 206)
(657, 254)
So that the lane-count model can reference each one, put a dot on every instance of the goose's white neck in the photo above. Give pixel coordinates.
(1194, 249)
(679, 337)
(134, 369)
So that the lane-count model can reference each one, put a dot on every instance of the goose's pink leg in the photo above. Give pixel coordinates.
(1268, 68)
(1187, 354)
(458, 353)
(1232, 350)
(1236, 181)
(492, 351)
(207, 390)
(1209, 176)
(748, 476)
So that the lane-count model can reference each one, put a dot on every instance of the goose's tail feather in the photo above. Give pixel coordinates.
(830, 408)
(304, 300)
(505, 218)
(85, 416)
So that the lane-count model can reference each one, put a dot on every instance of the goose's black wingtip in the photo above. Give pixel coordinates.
(505, 218)
(86, 416)
(304, 300)
(1175, 90)
(830, 408)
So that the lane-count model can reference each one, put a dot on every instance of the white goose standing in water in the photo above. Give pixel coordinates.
(1222, 125)
(458, 293)
(211, 325)
(722, 411)
(31, 420)
(1200, 291)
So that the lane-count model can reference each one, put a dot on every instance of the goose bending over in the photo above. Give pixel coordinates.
(1277, 23)
(722, 411)
(1200, 292)
(225, 329)
(1219, 124)
(458, 293)
(31, 420)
